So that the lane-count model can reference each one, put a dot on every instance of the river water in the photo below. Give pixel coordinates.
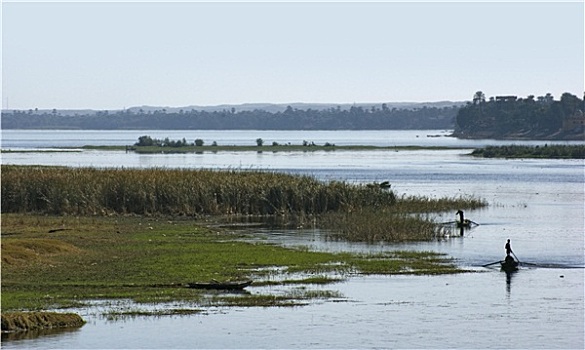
(538, 204)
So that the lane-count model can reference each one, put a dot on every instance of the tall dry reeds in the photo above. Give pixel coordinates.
(356, 212)
(424, 204)
(382, 225)
(90, 191)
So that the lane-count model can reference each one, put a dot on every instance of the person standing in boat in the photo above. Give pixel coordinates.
(508, 249)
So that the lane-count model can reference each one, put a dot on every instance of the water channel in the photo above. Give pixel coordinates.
(538, 204)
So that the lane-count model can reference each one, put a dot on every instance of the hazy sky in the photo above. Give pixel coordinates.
(107, 55)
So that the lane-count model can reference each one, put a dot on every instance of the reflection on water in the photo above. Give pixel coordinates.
(55, 332)
(509, 276)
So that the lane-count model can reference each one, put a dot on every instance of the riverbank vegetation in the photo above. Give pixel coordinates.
(74, 234)
(65, 261)
(200, 193)
(180, 192)
(546, 151)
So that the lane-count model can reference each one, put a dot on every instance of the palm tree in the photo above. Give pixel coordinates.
(479, 97)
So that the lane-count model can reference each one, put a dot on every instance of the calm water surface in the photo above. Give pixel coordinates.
(538, 204)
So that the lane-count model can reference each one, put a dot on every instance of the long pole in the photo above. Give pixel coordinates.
(515, 256)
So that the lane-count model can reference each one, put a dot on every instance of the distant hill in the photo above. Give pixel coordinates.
(281, 107)
(510, 117)
(261, 116)
(268, 107)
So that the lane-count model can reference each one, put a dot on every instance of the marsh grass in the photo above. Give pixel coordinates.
(149, 260)
(313, 280)
(89, 191)
(424, 204)
(358, 211)
(28, 321)
(406, 262)
(134, 313)
(379, 226)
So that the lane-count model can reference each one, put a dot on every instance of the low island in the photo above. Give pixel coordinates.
(148, 145)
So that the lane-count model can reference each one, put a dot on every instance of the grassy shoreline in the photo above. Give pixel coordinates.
(74, 234)
(149, 260)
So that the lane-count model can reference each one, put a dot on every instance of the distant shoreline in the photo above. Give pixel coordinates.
(233, 148)
(516, 137)
(264, 148)
(512, 151)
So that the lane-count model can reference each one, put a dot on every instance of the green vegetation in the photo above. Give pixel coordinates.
(89, 191)
(74, 234)
(364, 210)
(407, 220)
(146, 141)
(546, 151)
(61, 261)
(509, 117)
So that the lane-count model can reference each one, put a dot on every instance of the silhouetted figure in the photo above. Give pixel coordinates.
(462, 222)
(508, 249)
(460, 213)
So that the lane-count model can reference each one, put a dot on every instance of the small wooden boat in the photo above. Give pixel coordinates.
(229, 285)
(509, 264)
(462, 221)
(465, 223)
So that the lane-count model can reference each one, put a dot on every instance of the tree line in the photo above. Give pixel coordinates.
(335, 118)
(512, 117)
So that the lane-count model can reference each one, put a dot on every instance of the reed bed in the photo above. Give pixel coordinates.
(90, 191)
(357, 212)
(424, 204)
(367, 225)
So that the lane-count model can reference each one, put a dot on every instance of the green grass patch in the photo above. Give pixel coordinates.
(149, 260)
(405, 262)
(116, 314)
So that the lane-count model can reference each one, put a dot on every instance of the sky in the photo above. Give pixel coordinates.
(113, 55)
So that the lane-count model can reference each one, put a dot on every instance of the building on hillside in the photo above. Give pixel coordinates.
(506, 98)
